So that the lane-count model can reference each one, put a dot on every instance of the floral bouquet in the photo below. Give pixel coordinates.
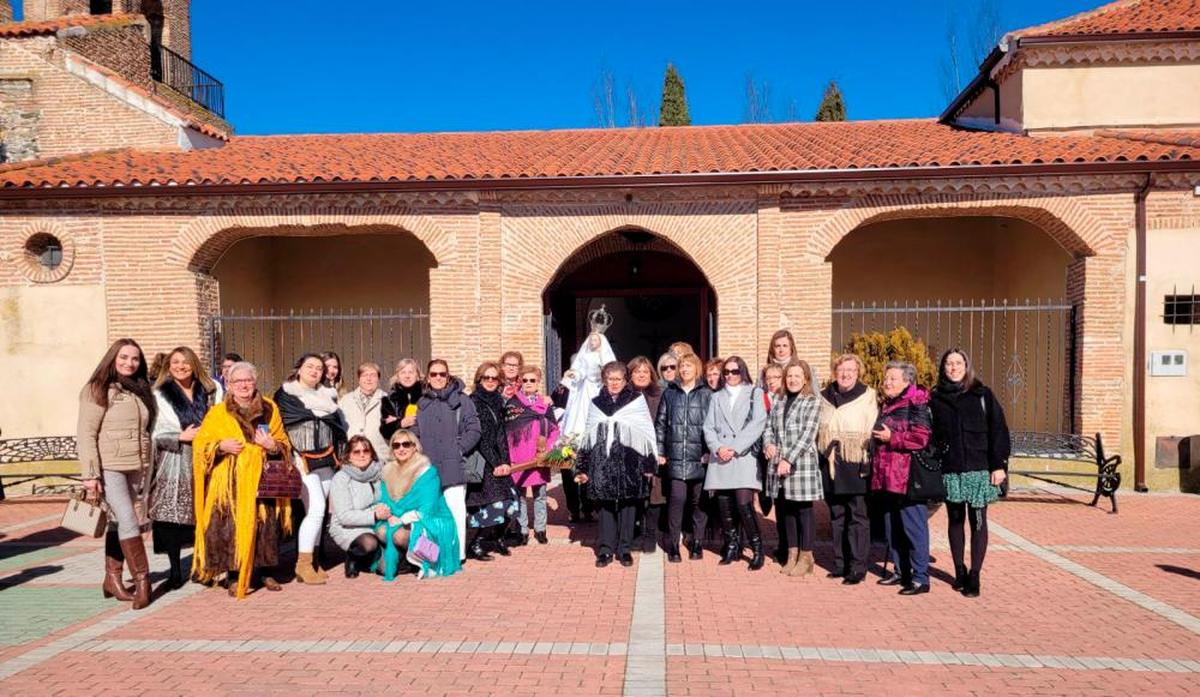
(560, 457)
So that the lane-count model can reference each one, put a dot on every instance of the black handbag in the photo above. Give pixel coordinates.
(925, 476)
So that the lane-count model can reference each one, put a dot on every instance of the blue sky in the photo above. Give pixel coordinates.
(306, 66)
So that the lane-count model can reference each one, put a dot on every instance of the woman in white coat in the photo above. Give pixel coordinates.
(363, 409)
(737, 417)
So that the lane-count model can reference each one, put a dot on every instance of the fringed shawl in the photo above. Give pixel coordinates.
(626, 420)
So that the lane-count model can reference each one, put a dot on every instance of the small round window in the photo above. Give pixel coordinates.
(45, 250)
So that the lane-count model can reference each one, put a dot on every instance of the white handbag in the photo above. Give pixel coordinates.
(85, 517)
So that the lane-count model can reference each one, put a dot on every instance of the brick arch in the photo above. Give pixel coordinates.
(612, 243)
(201, 243)
(1063, 219)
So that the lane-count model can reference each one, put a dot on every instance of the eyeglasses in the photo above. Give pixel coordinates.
(439, 375)
(489, 378)
(512, 365)
(733, 372)
(242, 381)
(529, 381)
(398, 445)
(360, 451)
(665, 368)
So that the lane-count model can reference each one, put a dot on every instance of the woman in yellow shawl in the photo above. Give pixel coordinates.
(236, 532)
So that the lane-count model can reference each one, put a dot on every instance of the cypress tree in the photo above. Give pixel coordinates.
(832, 107)
(674, 109)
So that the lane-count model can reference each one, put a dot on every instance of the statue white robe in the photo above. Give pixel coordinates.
(584, 386)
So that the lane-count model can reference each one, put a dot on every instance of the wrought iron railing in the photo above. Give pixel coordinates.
(1023, 349)
(178, 73)
(272, 339)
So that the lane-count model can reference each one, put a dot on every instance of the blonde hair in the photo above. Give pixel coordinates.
(849, 357)
(401, 365)
(198, 371)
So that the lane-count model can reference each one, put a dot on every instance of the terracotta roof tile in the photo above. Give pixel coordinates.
(52, 26)
(1181, 136)
(1125, 17)
(564, 154)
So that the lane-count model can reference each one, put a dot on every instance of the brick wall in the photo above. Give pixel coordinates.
(74, 116)
(122, 48)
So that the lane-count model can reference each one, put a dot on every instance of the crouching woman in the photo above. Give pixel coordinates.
(420, 525)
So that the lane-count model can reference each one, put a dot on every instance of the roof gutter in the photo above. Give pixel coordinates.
(981, 80)
(822, 176)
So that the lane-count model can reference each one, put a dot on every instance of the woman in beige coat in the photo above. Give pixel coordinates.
(116, 414)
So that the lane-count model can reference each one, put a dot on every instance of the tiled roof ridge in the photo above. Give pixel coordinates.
(591, 131)
(1180, 136)
(51, 26)
(1095, 11)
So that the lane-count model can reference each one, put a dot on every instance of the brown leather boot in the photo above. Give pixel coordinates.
(805, 566)
(113, 586)
(306, 572)
(139, 567)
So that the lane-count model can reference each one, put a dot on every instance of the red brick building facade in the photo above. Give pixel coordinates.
(164, 218)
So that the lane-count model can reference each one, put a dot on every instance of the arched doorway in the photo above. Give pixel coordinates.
(286, 291)
(655, 293)
(993, 285)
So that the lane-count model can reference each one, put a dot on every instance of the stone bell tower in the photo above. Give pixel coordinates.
(169, 20)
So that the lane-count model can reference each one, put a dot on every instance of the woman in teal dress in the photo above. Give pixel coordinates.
(970, 433)
(421, 526)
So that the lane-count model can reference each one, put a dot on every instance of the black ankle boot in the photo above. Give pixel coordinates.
(476, 551)
(695, 550)
(753, 535)
(971, 589)
(961, 578)
(351, 566)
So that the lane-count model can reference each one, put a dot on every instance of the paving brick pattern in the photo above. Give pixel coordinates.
(1075, 601)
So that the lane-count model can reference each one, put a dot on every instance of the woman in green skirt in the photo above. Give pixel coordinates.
(970, 433)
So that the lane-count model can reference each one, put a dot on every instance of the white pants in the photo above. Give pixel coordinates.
(316, 489)
(456, 501)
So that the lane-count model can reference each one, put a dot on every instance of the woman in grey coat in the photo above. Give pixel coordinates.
(354, 498)
(737, 416)
(793, 471)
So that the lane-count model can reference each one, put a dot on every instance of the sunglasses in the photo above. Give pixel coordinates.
(493, 378)
(402, 444)
(665, 368)
(439, 375)
(360, 451)
(733, 372)
(529, 381)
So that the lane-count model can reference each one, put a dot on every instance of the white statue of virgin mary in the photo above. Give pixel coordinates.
(583, 379)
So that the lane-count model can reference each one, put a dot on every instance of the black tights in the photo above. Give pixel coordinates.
(958, 514)
(796, 523)
(364, 546)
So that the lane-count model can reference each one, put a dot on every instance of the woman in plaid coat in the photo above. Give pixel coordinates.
(793, 471)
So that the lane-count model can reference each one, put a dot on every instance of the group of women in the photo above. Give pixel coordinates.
(420, 476)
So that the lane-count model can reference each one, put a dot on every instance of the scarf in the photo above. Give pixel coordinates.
(949, 387)
(627, 413)
(189, 413)
(838, 398)
(320, 400)
(250, 417)
(399, 478)
(369, 474)
(523, 419)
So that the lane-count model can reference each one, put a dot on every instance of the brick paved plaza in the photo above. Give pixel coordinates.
(1075, 601)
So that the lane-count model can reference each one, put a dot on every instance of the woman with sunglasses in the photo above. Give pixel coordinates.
(420, 526)
(492, 501)
(735, 422)
(532, 431)
(354, 498)
(679, 425)
(449, 426)
(668, 369)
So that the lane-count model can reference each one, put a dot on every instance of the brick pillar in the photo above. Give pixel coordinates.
(1096, 285)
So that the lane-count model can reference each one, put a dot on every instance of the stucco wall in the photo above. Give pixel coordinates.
(1093, 96)
(50, 340)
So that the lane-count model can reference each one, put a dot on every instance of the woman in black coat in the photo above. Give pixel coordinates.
(399, 409)
(491, 502)
(617, 456)
(970, 433)
(679, 425)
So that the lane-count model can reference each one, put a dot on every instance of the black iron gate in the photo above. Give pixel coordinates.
(273, 339)
(1024, 350)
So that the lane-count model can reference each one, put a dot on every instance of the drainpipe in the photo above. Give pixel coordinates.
(1139, 339)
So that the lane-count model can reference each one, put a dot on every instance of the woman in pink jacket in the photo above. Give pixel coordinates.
(531, 431)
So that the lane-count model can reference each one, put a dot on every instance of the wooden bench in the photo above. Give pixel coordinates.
(1064, 447)
(44, 449)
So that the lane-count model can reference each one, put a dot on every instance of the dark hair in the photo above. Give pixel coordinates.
(741, 364)
(969, 380)
(642, 362)
(438, 361)
(483, 368)
(106, 374)
(781, 334)
(614, 367)
(336, 384)
(198, 371)
(295, 374)
(360, 438)
(231, 356)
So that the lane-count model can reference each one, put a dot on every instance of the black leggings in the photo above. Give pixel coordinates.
(364, 546)
(958, 514)
(796, 523)
(685, 496)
